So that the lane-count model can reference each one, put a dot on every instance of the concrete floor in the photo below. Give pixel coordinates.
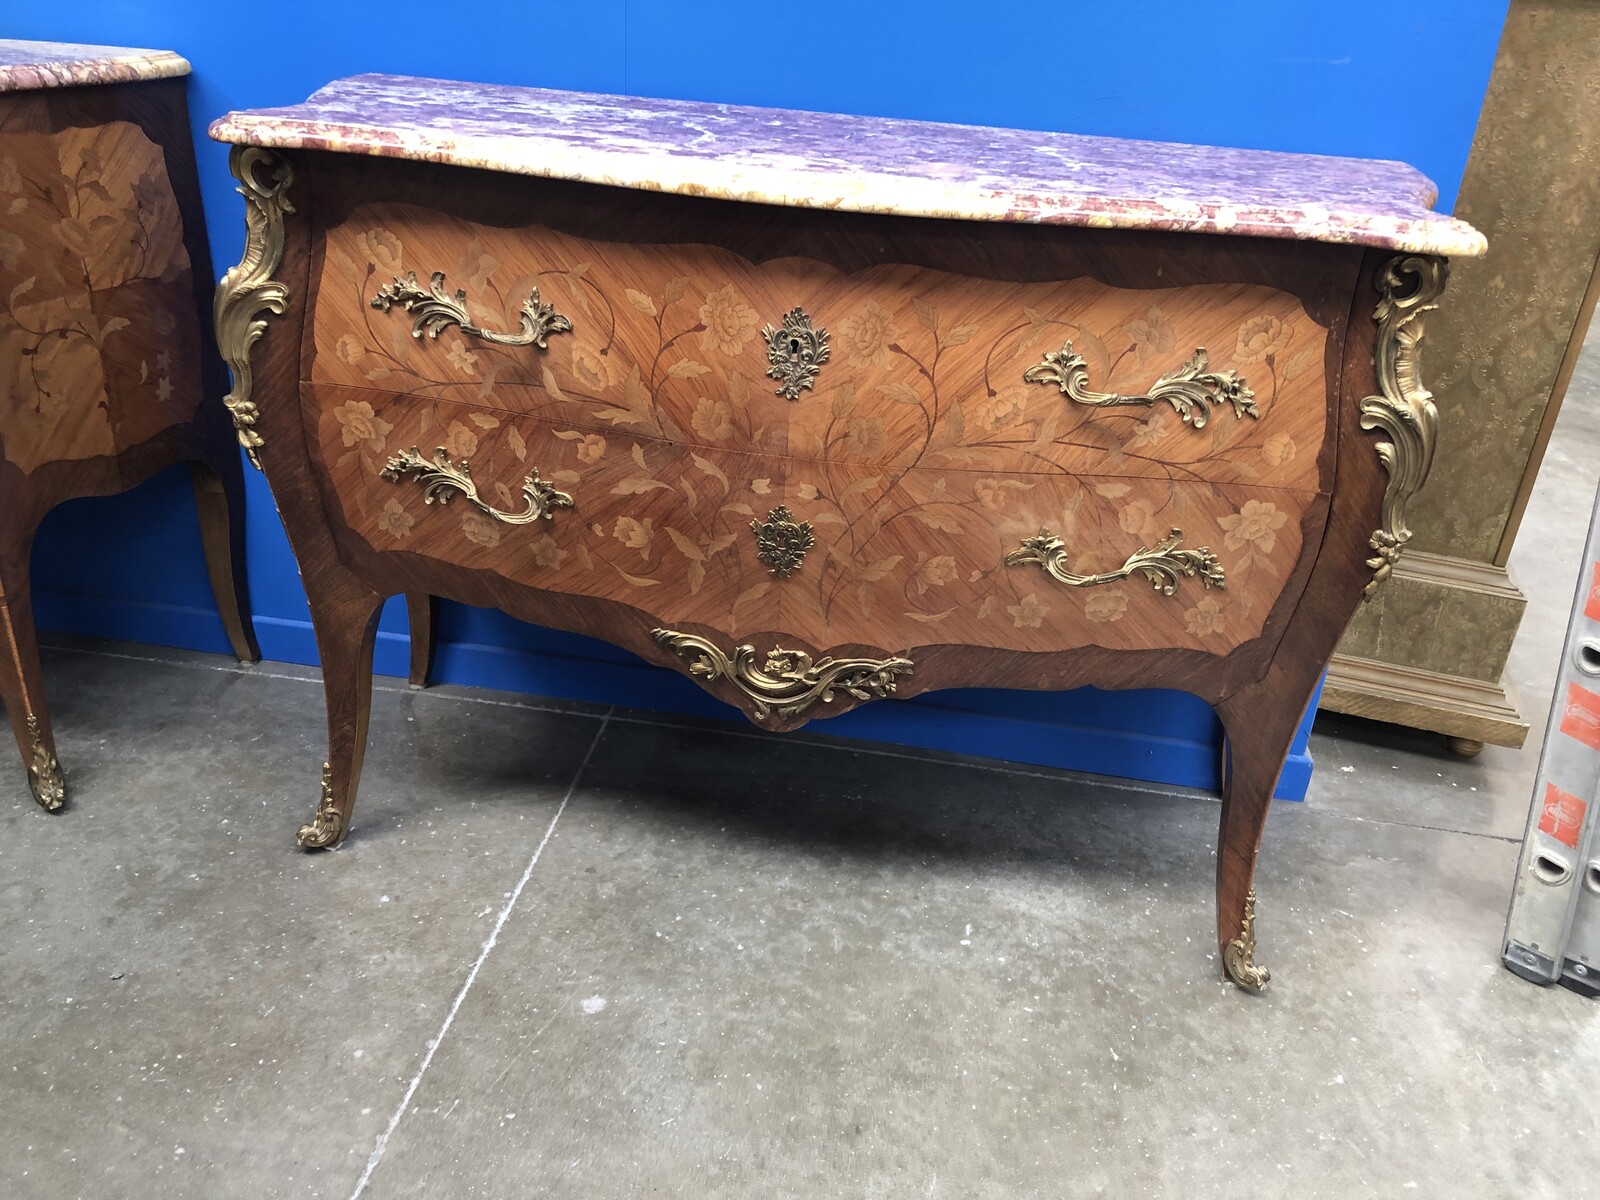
(575, 952)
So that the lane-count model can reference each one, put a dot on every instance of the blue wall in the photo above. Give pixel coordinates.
(1365, 77)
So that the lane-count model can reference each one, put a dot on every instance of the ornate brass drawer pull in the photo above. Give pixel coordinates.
(1191, 389)
(782, 542)
(1163, 564)
(436, 311)
(441, 479)
(795, 352)
(789, 682)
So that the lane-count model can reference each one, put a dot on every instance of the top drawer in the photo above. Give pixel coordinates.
(893, 367)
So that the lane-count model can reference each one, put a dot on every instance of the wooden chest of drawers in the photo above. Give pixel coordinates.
(105, 357)
(823, 410)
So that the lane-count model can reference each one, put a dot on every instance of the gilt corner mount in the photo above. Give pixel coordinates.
(248, 291)
(1404, 409)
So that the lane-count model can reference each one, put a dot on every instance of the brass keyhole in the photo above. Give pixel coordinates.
(795, 350)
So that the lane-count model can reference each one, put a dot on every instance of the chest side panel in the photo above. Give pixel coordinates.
(99, 335)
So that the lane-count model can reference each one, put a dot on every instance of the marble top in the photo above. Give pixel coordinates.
(28, 66)
(866, 164)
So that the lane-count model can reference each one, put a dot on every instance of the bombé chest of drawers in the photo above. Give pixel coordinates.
(823, 410)
(108, 370)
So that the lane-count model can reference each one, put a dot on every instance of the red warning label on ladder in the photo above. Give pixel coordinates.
(1591, 608)
(1562, 817)
(1581, 717)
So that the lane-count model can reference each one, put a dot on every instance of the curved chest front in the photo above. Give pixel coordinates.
(822, 447)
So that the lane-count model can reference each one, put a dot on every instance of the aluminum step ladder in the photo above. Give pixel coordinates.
(1553, 928)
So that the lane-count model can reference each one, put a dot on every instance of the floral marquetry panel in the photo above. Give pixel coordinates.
(99, 334)
(898, 559)
(920, 558)
(662, 529)
(921, 368)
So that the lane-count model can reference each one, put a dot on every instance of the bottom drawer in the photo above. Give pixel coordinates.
(889, 560)
(663, 528)
(1122, 563)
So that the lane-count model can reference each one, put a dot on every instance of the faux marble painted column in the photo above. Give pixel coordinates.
(1431, 649)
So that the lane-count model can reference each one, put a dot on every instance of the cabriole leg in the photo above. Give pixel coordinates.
(22, 679)
(219, 498)
(422, 611)
(345, 617)
(1260, 722)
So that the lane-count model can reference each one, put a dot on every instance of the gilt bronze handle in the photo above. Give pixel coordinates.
(1162, 564)
(435, 311)
(441, 479)
(1190, 389)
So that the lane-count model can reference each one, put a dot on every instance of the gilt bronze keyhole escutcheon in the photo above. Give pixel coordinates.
(782, 542)
(795, 352)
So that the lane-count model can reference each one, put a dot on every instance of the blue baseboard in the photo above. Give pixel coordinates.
(1105, 733)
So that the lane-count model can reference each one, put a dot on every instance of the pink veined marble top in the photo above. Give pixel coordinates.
(866, 164)
(29, 66)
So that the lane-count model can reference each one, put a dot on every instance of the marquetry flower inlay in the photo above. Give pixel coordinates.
(1279, 449)
(1106, 605)
(382, 249)
(1147, 433)
(1151, 335)
(864, 437)
(933, 572)
(546, 553)
(359, 425)
(866, 336)
(1138, 517)
(1205, 618)
(997, 495)
(395, 520)
(480, 528)
(1259, 337)
(460, 441)
(1029, 613)
(635, 534)
(592, 368)
(1000, 411)
(350, 349)
(1255, 525)
(462, 359)
(729, 322)
(713, 419)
